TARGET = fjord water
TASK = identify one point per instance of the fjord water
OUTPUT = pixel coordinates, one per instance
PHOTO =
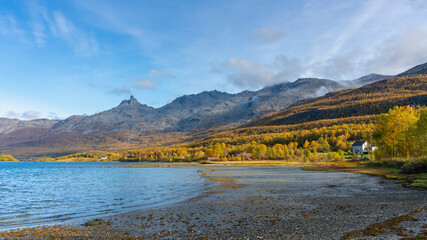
(46, 193)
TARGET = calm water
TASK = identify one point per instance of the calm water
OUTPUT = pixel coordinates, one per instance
(45, 193)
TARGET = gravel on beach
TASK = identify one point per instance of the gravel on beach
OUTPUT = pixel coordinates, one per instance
(271, 203)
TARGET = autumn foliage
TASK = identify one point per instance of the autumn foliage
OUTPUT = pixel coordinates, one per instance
(372, 99)
(7, 158)
(402, 133)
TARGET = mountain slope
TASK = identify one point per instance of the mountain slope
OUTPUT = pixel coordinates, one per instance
(370, 78)
(419, 69)
(8, 125)
(371, 99)
(201, 110)
(128, 115)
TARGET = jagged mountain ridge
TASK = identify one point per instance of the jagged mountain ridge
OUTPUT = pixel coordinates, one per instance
(201, 110)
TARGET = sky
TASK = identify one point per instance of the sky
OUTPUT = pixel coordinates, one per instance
(63, 58)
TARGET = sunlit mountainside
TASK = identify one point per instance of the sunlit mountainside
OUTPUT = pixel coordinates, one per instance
(371, 99)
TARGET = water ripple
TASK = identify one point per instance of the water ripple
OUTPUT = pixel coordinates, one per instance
(39, 193)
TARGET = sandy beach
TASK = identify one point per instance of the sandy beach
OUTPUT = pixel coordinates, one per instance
(261, 202)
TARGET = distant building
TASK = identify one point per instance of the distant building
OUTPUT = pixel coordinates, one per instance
(244, 155)
(212, 158)
(103, 158)
(361, 147)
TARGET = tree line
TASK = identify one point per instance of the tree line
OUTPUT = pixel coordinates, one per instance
(400, 133)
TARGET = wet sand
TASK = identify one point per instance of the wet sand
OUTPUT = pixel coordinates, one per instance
(272, 203)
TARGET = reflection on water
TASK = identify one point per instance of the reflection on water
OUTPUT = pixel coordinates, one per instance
(41, 193)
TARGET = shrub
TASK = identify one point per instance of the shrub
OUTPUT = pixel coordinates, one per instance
(334, 156)
(355, 156)
(393, 163)
(415, 166)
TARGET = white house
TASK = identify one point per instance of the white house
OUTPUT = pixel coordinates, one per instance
(360, 147)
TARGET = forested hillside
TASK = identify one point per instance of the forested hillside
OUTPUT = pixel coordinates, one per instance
(371, 99)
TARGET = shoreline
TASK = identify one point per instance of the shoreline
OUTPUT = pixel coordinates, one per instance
(415, 181)
(262, 201)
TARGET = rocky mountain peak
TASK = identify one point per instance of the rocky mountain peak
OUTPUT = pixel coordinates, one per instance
(132, 101)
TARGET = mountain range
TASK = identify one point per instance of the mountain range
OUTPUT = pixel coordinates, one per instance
(132, 124)
(188, 112)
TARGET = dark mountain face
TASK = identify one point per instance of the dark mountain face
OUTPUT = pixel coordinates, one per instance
(419, 69)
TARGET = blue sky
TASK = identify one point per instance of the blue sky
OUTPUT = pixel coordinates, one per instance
(61, 58)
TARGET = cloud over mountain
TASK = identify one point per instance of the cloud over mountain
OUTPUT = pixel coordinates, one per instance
(27, 115)
(121, 91)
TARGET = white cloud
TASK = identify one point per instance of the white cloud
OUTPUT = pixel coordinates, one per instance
(52, 115)
(352, 28)
(121, 91)
(38, 30)
(400, 53)
(391, 56)
(9, 27)
(25, 115)
(248, 74)
(287, 69)
(39, 16)
(245, 73)
(13, 114)
(156, 73)
(31, 115)
(41, 21)
(82, 43)
(62, 27)
(267, 34)
(144, 84)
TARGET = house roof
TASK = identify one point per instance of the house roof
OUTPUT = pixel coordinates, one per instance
(359, 143)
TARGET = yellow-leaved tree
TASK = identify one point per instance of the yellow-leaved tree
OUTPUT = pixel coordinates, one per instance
(400, 132)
